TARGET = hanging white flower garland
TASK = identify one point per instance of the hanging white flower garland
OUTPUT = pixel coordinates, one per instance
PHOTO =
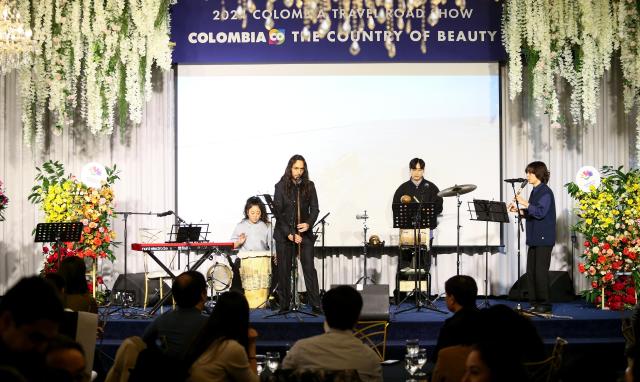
(95, 55)
(574, 40)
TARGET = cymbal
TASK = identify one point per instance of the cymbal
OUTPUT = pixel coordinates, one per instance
(458, 189)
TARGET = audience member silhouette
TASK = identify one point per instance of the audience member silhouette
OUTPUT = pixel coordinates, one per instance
(26, 328)
(223, 348)
(337, 348)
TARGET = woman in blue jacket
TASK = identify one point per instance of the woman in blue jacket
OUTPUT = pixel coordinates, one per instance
(540, 214)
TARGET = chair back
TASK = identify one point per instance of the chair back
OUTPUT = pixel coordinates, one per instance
(374, 335)
(548, 369)
(315, 375)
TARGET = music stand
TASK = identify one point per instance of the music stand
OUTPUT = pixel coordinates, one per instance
(488, 211)
(58, 233)
(417, 216)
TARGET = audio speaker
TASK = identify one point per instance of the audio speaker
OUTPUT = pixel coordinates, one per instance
(560, 287)
(375, 301)
(134, 294)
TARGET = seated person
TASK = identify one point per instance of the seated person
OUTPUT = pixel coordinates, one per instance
(461, 292)
(253, 233)
(76, 295)
(27, 327)
(173, 331)
(337, 348)
(225, 348)
(65, 360)
(492, 362)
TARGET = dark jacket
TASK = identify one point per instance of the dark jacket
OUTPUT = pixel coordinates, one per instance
(461, 329)
(541, 217)
(286, 210)
(426, 192)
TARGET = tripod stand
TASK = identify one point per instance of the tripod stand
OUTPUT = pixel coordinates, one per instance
(417, 216)
(488, 211)
(364, 277)
(294, 307)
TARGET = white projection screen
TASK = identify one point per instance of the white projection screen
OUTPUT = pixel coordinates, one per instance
(358, 126)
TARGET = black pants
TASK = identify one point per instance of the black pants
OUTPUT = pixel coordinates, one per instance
(538, 261)
(286, 252)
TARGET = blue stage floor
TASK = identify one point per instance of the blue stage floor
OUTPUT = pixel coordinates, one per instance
(586, 328)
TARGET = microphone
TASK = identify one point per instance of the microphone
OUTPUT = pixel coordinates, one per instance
(362, 216)
(515, 180)
(522, 186)
(162, 214)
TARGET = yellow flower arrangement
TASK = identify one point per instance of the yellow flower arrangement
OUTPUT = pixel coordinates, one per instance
(69, 200)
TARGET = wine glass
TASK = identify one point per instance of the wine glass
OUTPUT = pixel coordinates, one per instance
(413, 346)
(260, 359)
(273, 359)
(422, 357)
(411, 364)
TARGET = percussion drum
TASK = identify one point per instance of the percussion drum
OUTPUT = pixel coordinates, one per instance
(407, 237)
(255, 272)
(219, 277)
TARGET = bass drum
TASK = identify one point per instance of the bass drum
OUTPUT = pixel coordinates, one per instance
(219, 277)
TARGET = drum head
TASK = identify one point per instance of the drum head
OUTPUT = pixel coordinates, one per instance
(219, 277)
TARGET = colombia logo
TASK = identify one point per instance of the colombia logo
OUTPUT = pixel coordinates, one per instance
(276, 36)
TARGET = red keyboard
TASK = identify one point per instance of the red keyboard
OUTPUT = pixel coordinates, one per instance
(179, 246)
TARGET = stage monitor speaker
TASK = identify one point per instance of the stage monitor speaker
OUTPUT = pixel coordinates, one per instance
(375, 301)
(135, 290)
(560, 288)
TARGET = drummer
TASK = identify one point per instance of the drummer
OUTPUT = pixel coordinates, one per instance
(417, 188)
(253, 233)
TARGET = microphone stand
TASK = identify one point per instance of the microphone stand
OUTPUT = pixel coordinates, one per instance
(520, 227)
(323, 222)
(293, 287)
(125, 217)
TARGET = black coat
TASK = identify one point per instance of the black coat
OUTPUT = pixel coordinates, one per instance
(426, 192)
(286, 210)
(461, 329)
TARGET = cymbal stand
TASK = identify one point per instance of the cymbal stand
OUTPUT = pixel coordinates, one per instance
(364, 278)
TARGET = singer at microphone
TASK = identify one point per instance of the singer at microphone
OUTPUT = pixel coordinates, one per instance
(296, 206)
(540, 215)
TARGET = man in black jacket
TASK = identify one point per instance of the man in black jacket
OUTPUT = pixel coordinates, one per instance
(461, 329)
(418, 189)
(296, 209)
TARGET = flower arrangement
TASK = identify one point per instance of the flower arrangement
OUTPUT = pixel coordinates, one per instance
(609, 215)
(574, 41)
(95, 56)
(69, 200)
(4, 201)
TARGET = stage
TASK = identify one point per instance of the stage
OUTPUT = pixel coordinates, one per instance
(590, 332)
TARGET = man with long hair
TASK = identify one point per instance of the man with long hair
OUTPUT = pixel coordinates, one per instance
(296, 209)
